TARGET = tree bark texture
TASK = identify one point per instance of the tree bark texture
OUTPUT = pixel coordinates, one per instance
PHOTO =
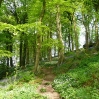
(38, 41)
(59, 35)
(96, 35)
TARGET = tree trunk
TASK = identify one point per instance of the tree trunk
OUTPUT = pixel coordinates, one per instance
(21, 51)
(24, 53)
(38, 50)
(76, 34)
(86, 37)
(65, 44)
(69, 44)
(0, 2)
(49, 55)
(59, 34)
(96, 35)
(72, 41)
(86, 25)
(9, 47)
(27, 54)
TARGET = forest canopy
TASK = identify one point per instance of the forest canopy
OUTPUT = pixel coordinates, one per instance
(36, 30)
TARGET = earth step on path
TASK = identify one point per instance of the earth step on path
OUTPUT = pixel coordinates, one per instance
(46, 85)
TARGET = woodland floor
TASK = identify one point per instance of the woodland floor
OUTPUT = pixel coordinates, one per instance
(45, 88)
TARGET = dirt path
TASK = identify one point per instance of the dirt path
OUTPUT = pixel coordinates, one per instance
(45, 88)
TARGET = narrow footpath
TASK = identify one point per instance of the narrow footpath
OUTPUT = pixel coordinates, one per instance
(45, 88)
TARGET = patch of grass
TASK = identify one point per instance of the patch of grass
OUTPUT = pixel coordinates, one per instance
(38, 80)
(2, 83)
(42, 90)
(26, 76)
(10, 87)
(52, 63)
(26, 91)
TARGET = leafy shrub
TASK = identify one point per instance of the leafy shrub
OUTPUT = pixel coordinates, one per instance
(11, 70)
(26, 76)
(3, 70)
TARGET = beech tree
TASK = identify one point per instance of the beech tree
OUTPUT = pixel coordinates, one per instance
(59, 35)
(40, 5)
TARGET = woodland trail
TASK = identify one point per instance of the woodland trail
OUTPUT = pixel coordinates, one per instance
(49, 92)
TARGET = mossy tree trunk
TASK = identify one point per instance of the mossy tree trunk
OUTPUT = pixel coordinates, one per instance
(39, 38)
(59, 35)
(86, 25)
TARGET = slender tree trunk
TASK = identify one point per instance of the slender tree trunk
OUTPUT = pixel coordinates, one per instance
(76, 34)
(38, 50)
(21, 51)
(86, 37)
(23, 47)
(49, 55)
(76, 41)
(72, 31)
(96, 35)
(27, 54)
(43, 55)
(0, 2)
(72, 41)
(34, 48)
(8, 62)
(69, 44)
(65, 48)
(92, 32)
(86, 25)
(59, 34)
(9, 47)
(24, 53)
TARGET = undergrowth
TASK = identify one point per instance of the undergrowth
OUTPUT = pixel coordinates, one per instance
(25, 91)
(81, 80)
(22, 85)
